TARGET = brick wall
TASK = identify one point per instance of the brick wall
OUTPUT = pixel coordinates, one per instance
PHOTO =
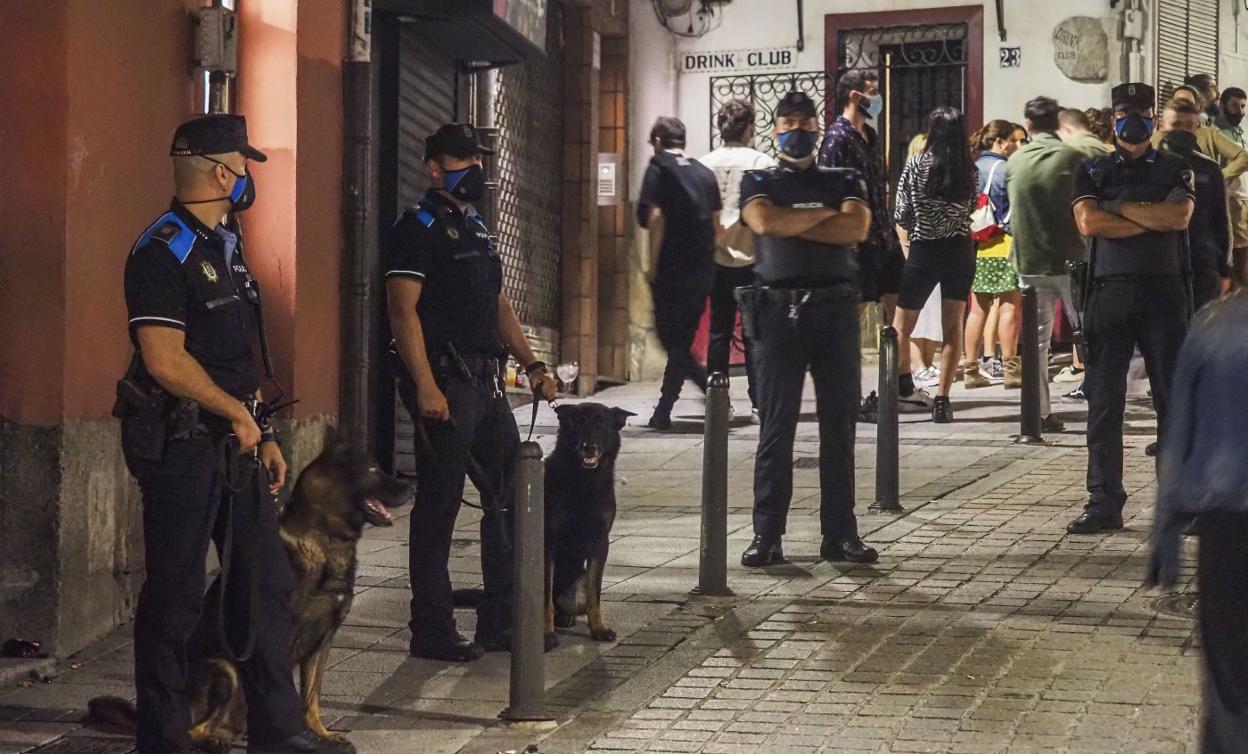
(614, 223)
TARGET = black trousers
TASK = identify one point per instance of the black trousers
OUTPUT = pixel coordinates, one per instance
(823, 336)
(182, 512)
(1121, 315)
(724, 322)
(677, 312)
(1223, 580)
(481, 423)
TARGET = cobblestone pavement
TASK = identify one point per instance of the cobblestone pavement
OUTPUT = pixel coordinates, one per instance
(983, 628)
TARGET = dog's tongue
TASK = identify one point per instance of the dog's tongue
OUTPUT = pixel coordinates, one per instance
(376, 506)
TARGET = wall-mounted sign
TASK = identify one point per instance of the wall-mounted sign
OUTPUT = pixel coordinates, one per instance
(1081, 49)
(1011, 57)
(764, 59)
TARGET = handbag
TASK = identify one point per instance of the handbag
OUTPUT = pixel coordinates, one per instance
(984, 225)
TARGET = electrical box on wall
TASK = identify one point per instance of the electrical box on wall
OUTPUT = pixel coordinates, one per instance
(1132, 24)
(215, 42)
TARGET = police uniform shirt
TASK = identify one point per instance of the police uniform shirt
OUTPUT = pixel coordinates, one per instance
(688, 194)
(1152, 178)
(184, 275)
(451, 254)
(799, 261)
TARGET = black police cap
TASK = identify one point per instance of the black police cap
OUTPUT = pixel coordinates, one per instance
(214, 134)
(455, 139)
(795, 102)
(1133, 95)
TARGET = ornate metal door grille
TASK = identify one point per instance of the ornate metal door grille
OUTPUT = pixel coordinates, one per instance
(920, 68)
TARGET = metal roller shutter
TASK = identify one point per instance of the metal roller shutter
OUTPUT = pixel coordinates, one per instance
(427, 95)
(1187, 42)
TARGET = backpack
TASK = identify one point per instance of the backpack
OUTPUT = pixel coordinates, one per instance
(984, 225)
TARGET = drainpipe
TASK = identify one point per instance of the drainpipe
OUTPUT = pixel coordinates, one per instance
(485, 89)
(359, 231)
(1132, 37)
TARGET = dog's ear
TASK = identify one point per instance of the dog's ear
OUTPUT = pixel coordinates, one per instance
(621, 417)
(564, 411)
(331, 436)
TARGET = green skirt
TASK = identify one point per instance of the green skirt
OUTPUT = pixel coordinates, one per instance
(994, 275)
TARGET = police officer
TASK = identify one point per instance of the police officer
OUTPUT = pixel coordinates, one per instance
(194, 316)
(803, 312)
(1135, 205)
(453, 327)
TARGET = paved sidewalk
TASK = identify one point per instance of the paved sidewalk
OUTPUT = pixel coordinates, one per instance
(983, 628)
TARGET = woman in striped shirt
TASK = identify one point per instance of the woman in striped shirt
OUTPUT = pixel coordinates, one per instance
(935, 198)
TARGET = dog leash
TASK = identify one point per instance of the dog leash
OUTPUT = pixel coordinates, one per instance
(234, 466)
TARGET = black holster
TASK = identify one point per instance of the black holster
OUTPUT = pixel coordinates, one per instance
(150, 416)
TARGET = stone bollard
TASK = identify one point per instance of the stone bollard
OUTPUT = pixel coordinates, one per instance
(713, 553)
(528, 608)
(887, 453)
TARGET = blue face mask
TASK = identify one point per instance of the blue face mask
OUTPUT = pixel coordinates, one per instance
(1134, 128)
(798, 144)
(873, 107)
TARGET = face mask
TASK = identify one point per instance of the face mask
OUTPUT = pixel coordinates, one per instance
(467, 185)
(1234, 120)
(873, 106)
(1134, 128)
(243, 195)
(1181, 141)
(798, 143)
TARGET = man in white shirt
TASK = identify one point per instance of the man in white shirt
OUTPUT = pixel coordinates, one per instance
(734, 256)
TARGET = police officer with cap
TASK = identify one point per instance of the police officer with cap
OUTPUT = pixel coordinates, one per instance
(188, 418)
(1135, 205)
(453, 327)
(802, 312)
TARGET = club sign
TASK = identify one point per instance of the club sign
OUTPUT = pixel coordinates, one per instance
(721, 61)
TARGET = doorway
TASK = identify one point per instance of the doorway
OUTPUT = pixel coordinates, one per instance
(925, 59)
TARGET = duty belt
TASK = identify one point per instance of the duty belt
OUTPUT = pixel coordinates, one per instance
(796, 298)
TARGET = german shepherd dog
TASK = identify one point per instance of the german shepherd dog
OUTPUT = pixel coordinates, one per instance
(335, 497)
(580, 510)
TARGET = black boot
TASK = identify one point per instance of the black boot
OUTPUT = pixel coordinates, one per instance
(306, 742)
(762, 551)
(445, 647)
(849, 549)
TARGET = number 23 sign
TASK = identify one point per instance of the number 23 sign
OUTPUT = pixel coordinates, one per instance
(1011, 57)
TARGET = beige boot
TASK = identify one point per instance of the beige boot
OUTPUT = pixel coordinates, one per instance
(1013, 368)
(972, 376)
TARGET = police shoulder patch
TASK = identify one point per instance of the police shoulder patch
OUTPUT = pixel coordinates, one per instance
(173, 232)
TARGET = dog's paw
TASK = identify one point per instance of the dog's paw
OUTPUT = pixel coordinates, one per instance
(602, 634)
(564, 620)
(552, 640)
(338, 738)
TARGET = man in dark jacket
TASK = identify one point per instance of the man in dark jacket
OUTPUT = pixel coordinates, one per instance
(1209, 234)
(1202, 473)
(679, 205)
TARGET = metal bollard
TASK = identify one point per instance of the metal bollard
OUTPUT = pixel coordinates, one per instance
(887, 462)
(528, 607)
(713, 554)
(1029, 345)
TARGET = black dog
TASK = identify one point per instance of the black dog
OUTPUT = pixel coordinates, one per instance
(580, 510)
(336, 496)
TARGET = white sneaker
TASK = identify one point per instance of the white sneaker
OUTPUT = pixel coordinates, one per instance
(1069, 376)
(926, 377)
(916, 402)
(754, 416)
(732, 414)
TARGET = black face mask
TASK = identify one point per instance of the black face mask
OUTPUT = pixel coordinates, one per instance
(1234, 120)
(466, 185)
(1134, 128)
(798, 144)
(1181, 141)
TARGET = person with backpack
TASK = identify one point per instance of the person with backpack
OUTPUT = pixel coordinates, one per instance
(935, 198)
(994, 281)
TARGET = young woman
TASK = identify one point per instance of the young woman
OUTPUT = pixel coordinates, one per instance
(927, 336)
(995, 283)
(935, 197)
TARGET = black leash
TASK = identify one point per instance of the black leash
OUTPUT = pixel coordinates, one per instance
(237, 472)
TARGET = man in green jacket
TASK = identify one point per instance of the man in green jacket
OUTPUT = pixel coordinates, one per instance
(1039, 178)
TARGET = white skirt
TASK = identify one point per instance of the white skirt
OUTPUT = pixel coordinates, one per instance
(929, 325)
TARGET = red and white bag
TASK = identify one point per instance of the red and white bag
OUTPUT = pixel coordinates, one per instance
(984, 226)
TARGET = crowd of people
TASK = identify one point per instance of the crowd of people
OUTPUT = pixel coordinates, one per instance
(1129, 220)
